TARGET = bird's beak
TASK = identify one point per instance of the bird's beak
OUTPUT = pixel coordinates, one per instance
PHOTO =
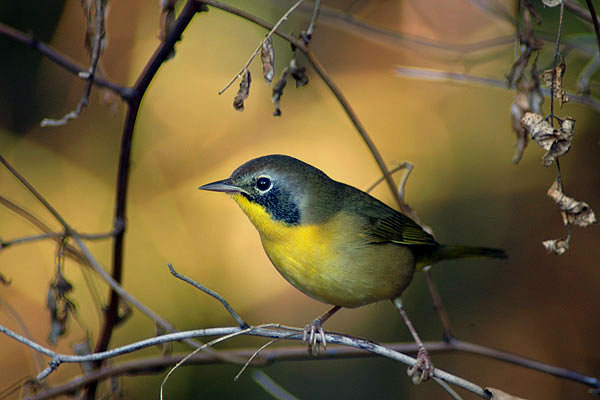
(224, 186)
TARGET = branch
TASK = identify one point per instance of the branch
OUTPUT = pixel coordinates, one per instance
(52, 235)
(457, 77)
(313, 19)
(270, 386)
(590, 6)
(60, 59)
(267, 332)
(212, 294)
(579, 11)
(298, 353)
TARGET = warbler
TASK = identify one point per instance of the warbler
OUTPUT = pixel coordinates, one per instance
(334, 242)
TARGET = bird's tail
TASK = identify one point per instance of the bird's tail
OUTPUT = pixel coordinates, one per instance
(454, 252)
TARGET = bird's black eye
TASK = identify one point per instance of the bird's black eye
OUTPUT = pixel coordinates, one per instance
(263, 183)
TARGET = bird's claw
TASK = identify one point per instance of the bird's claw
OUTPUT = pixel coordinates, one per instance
(422, 370)
(311, 333)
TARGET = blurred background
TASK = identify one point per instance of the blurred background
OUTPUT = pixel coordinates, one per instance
(464, 185)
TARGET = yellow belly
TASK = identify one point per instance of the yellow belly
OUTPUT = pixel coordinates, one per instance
(332, 262)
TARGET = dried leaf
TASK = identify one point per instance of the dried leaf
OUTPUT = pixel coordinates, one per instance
(500, 395)
(298, 73)
(556, 246)
(552, 3)
(278, 90)
(57, 322)
(62, 285)
(243, 92)
(556, 142)
(574, 212)
(267, 56)
(57, 303)
(558, 92)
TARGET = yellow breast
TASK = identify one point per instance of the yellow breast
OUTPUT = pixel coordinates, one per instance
(332, 262)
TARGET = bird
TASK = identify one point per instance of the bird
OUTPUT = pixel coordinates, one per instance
(334, 242)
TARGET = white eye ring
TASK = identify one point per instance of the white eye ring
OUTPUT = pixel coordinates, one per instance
(264, 183)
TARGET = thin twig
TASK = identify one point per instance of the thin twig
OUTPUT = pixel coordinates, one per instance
(271, 387)
(594, 17)
(555, 61)
(28, 239)
(578, 10)
(383, 36)
(10, 310)
(211, 293)
(455, 77)
(206, 345)
(53, 235)
(253, 356)
(447, 388)
(313, 19)
(438, 305)
(255, 53)
(37, 195)
(397, 168)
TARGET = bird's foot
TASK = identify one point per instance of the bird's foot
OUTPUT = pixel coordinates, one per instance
(312, 332)
(423, 369)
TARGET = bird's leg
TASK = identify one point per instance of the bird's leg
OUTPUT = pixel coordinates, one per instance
(314, 329)
(423, 359)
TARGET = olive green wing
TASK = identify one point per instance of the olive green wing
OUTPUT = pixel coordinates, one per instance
(383, 224)
(398, 228)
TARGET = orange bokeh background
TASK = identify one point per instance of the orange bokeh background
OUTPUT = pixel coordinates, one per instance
(464, 185)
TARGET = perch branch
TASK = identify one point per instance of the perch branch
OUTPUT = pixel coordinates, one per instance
(57, 359)
(298, 353)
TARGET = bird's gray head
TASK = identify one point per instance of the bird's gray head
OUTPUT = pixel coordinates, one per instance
(285, 186)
